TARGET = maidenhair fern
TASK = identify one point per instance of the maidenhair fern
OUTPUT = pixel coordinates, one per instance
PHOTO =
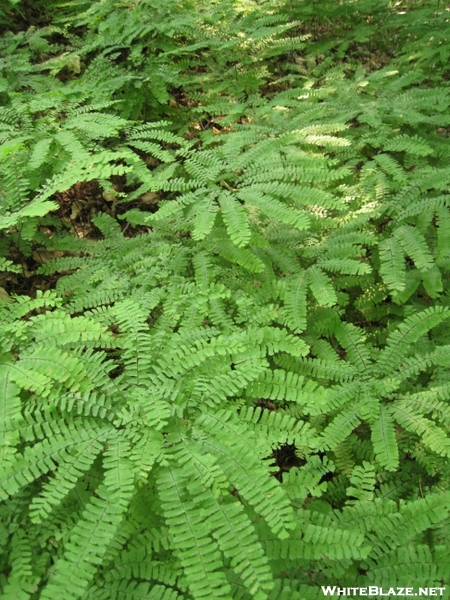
(224, 306)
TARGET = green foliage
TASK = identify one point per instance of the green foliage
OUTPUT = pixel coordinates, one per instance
(224, 303)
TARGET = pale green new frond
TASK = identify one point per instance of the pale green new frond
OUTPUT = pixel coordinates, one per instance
(421, 207)
(227, 523)
(278, 428)
(170, 208)
(119, 472)
(9, 266)
(214, 389)
(319, 368)
(276, 340)
(150, 402)
(37, 208)
(59, 329)
(363, 517)
(96, 124)
(391, 167)
(147, 447)
(322, 539)
(363, 482)
(40, 153)
(237, 540)
(41, 365)
(203, 268)
(152, 149)
(201, 172)
(413, 278)
(421, 361)
(72, 145)
(138, 561)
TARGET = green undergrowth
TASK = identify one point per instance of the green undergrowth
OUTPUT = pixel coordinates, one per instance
(224, 298)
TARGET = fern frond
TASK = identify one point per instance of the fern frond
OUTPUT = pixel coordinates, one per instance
(72, 465)
(247, 473)
(235, 219)
(42, 458)
(294, 298)
(384, 440)
(415, 246)
(321, 287)
(286, 386)
(198, 553)
(86, 546)
(410, 144)
(408, 332)
(206, 212)
(392, 267)
(340, 428)
(10, 409)
(242, 256)
(432, 436)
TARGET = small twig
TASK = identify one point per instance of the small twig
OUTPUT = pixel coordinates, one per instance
(224, 184)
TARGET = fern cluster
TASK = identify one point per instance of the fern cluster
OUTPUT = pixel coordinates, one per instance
(232, 382)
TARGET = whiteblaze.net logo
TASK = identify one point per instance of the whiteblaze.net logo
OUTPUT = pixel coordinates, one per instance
(379, 591)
